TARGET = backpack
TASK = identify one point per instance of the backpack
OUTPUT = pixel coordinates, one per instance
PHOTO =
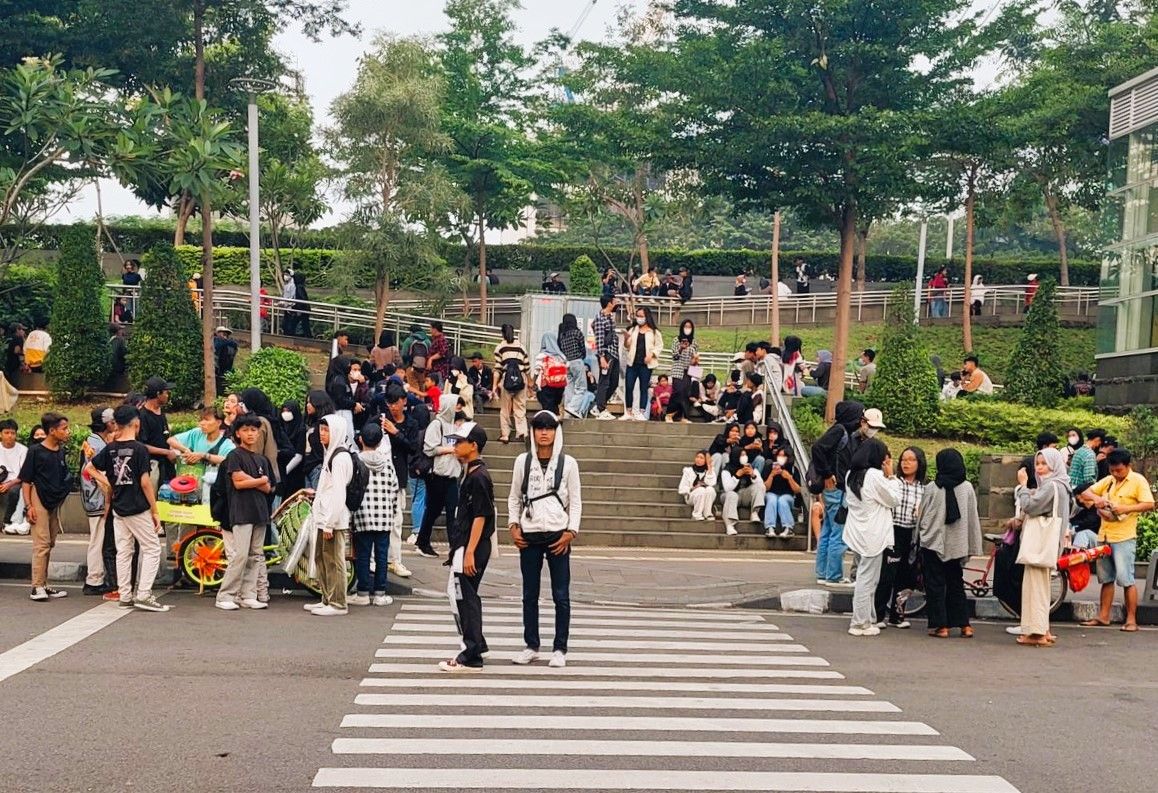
(513, 381)
(812, 477)
(219, 498)
(554, 373)
(419, 348)
(91, 496)
(554, 491)
(359, 481)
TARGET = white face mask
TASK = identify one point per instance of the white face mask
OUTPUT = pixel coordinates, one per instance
(870, 432)
(782, 461)
(1074, 440)
(743, 459)
(640, 320)
(287, 416)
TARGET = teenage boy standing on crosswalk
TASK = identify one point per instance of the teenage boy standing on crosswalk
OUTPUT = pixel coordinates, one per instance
(544, 508)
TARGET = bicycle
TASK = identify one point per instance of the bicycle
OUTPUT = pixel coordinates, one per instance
(914, 603)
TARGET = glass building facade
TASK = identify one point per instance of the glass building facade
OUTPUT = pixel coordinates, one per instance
(1127, 340)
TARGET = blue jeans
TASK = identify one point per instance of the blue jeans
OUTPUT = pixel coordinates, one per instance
(940, 307)
(779, 506)
(312, 478)
(531, 564)
(830, 548)
(575, 395)
(365, 544)
(642, 376)
(417, 503)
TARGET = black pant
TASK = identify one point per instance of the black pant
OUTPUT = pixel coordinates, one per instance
(531, 564)
(10, 500)
(550, 397)
(680, 407)
(607, 384)
(469, 607)
(944, 591)
(895, 575)
(441, 495)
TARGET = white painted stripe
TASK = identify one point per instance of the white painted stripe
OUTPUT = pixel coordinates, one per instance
(500, 607)
(485, 681)
(642, 633)
(42, 647)
(586, 779)
(591, 748)
(632, 658)
(549, 619)
(654, 703)
(621, 672)
(464, 721)
(451, 640)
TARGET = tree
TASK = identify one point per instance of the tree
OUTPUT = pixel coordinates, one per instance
(1035, 375)
(585, 277)
(905, 387)
(816, 105)
(385, 140)
(79, 360)
(167, 330)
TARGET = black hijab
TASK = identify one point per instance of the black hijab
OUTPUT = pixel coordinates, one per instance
(950, 473)
(870, 454)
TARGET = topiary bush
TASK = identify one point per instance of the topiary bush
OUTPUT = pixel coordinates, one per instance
(1003, 424)
(166, 340)
(78, 361)
(585, 277)
(26, 294)
(905, 387)
(282, 374)
(1035, 375)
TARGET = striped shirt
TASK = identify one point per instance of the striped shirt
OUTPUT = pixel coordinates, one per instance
(511, 352)
(905, 512)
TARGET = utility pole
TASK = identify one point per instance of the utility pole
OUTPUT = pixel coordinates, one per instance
(776, 278)
(918, 292)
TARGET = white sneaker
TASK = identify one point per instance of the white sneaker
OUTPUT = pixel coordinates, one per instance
(628, 415)
(358, 600)
(10, 529)
(558, 660)
(226, 605)
(730, 530)
(382, 600)
(253, 604)
(640, 416)
(22, 528)
(525, 657)
(902, 624)
(399, 569)
(330, 611)
(822, 580)
(606, 416)
(755, 517)
(313, 606)
(594, 413)
(770, 532)
(1013, 630)
(787, 533)
(412, 539)
(871, 630)
(882, 625)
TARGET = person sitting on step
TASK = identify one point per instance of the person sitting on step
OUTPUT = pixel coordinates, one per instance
(698, 486)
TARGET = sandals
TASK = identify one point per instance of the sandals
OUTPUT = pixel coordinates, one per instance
(940, 633)
(1094, 624)
(1025, 641)
(967, 632)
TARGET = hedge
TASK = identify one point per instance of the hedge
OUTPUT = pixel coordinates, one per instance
(136, 240)
(26, 295)
(231, 265)
(1005, 424)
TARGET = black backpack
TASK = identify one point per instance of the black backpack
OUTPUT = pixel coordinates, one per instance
(513, 380)
(219, 498)
(812, 478)
(359, 481)
(554, 491)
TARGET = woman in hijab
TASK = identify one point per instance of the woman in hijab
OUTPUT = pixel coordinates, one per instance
(950, 532)
(792, 360)
(1052, 496)
(290, 458)
(871, 496)
(318, 406)
(895, 575)
(338, 387)
(977, 296)
(683, 356)
(550, 396)
(822, 372)
(1074, 441)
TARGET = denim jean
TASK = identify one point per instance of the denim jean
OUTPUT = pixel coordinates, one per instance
(575, 395)
(417, 503)
(830, 548)
(940, 307)
(642, 376)
(531, 564)
(366, 543)
(779, 506)
(312, 478)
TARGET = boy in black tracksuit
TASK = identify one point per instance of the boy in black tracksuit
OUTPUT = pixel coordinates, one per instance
(470, 546)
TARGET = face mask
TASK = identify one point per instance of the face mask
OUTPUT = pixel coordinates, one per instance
(1074, 441)
(743, 459)
(870, 432)
(286, 416)
(460, 416)
(640, 320)
(782, 461)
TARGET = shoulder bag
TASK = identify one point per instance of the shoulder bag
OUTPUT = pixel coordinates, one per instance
(1041, 537)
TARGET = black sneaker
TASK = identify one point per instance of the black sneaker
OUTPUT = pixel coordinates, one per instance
(95, 591)
(428, 552)
(54, 594)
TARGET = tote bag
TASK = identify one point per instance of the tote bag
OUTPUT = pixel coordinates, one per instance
(1041, 537)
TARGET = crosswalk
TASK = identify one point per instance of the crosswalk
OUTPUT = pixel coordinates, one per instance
(651, 700)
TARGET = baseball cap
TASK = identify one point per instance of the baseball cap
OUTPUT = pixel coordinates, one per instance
(100, 419)
(1031, 277)
(875, 419)
(155, 385)
(471, 431)
(223, 329)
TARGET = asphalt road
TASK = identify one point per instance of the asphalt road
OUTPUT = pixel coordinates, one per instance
(201, 700)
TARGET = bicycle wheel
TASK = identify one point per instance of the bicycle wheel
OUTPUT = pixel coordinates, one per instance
(1059, 584)
(203, 558)
(915, 603)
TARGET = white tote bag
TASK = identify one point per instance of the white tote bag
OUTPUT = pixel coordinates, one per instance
(1041, 538)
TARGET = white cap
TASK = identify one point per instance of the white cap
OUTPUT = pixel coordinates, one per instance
(875, 419)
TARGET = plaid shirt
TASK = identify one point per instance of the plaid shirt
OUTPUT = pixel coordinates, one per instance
(606, 342)
(905, 512)
(572, 345)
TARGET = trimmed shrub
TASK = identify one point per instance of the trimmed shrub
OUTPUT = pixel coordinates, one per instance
(166, 339)
(905, 387)
(1035, 375)
(585, 277)
(1002, 424)
(1147, 536)
(26, 295)
(78, 361)
(282, 374)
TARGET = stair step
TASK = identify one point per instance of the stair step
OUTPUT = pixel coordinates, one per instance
(667, 483)
(490, 421)
(717, 540)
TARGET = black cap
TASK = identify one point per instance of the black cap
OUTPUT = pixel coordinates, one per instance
(476, 356)
(155, 385)
(100, 418)
(470, 431)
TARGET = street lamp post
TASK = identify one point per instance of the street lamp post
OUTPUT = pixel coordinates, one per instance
(254, 86)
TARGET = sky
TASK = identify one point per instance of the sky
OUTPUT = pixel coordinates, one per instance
(330, 65)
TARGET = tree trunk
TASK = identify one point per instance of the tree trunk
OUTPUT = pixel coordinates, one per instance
(184, 212)
(199, 49)
(207, 323)
(776, 278)
(381, 298)
(1060, 230)
(644, 254)
(861, 256)
(843, 300)
(640, 219)
(966, 315)
(482, 269)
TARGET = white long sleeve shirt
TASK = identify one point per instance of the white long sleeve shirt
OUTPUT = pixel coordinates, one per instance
(688, 479)
(869, 527)
(549, 514)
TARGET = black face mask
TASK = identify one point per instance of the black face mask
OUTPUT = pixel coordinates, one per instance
(460, 416)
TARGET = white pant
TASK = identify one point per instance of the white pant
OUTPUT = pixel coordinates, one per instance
(394, 552)
(262, 570)
(96, 543)
(751, 496)
(139, 528)
(868, 575)
(700, 500)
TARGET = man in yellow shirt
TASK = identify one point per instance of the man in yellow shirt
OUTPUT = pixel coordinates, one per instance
(1119, 499)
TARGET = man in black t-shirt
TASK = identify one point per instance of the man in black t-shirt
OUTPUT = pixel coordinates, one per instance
(470, 546)
(46, 482)
(247, 487)
(14, 354)
(154, 430)
(123, 471)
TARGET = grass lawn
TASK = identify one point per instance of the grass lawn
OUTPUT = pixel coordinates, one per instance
(29, 410)
(994, 346)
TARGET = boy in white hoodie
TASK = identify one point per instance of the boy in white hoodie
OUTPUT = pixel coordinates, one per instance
(378, 517)
(544, 509)
(330, 518)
